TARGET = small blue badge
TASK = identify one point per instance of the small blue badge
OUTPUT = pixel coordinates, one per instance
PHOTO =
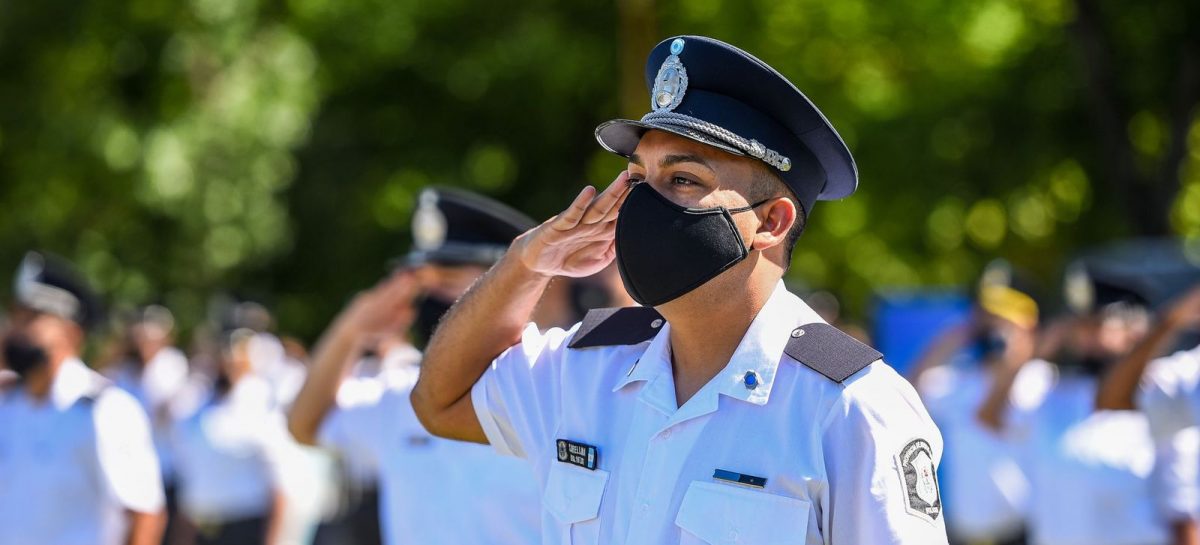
(677, 46)
(750, 380)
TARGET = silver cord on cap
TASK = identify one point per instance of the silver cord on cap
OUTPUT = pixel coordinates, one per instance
(749, 146)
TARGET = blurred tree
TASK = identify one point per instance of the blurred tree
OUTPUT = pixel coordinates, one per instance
(274, 148)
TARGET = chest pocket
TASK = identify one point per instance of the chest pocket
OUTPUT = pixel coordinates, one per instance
(719, 514)
(573, 497)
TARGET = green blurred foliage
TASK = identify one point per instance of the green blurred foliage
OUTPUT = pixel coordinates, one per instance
(273, 149)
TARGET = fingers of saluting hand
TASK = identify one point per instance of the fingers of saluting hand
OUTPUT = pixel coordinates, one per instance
(607, 202)
(571, 216)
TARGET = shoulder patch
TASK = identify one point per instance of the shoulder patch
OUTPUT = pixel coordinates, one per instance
(829, 351)
(617, 326)
(918, 477)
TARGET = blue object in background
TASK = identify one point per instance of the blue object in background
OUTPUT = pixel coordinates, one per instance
(907, 321)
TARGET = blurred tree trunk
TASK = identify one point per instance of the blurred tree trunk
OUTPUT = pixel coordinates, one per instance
(1146, 193)
(637, 31)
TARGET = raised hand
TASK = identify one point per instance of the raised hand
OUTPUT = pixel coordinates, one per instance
(1185, 311)
(579, 241)
(386, 308)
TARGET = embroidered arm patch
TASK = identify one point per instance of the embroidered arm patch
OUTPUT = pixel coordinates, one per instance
(918, 479)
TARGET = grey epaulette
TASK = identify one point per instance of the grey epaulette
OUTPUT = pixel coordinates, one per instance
(829, 351)
(617, 326)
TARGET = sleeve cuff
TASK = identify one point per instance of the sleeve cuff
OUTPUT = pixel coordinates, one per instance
(483, 412)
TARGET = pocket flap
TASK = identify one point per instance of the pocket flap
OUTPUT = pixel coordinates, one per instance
(573, 494)
(720, 513)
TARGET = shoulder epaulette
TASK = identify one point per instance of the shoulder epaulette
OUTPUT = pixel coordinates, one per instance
(829, 351)
(617, 326)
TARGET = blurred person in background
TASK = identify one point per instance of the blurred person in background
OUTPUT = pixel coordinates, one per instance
(1091, 471)
(269, 357)
(154, 372)
(1162, 378)
(986, 490)
(433, 490)
(77, 461)
(229, 457)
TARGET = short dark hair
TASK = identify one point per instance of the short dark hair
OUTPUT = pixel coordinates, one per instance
(767, 185)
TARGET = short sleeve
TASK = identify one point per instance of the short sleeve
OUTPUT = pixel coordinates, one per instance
(517, 398)
(881, 455)
(1170, 394)
(128, 464)
(1176, 477)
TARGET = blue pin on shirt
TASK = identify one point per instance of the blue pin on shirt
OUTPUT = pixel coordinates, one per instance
(750, 380)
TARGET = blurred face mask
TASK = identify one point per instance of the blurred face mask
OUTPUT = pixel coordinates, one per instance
(429, 313)
(665, 250)
(22, 355)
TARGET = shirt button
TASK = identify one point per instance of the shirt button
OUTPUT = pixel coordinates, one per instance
(666, 434)
(733, 535)
(645, 507)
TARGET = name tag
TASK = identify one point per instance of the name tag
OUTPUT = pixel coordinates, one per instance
(579, 454)
(740, 479)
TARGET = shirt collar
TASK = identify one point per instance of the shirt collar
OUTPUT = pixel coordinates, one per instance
(759, 351)
(73, 381)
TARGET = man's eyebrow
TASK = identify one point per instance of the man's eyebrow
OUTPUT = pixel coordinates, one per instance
(635, 159)
(684, 158)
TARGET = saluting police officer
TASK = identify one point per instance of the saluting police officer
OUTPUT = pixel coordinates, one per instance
(77, 463)
(724, 410)
(432, 490)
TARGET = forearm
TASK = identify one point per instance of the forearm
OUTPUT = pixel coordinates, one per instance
(942, 349)
(995, 405)
(486, 321)
(275, 519)
(319, 393)
(1185, 532)
(146, 528)
(1117, 390)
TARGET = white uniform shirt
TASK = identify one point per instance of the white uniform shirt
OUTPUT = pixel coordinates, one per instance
(155, 386)
(830, 452)
(987, 492)
(434, 490)
(229, 455)
(1170, 397)
(1091, 472)
(366, 384)
(1170, 393)
(71, 465)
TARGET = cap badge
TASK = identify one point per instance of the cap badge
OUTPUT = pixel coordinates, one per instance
(671, 82)
(429, 224)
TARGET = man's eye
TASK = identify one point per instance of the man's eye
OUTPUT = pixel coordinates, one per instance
(679, 180)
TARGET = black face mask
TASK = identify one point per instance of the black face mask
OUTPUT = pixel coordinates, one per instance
(665, 250)
(22, 355)
(429, 312)
(990, 344)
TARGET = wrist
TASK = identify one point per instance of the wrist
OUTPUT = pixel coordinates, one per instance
(515, 259)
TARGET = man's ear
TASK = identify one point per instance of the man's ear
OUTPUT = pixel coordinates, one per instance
(777, 218)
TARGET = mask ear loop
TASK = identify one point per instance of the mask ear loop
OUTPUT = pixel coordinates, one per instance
(751, 207)
(747, 209)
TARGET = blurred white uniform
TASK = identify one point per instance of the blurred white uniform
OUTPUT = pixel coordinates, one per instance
(432, 490)
(228, 455)
(843, 463)
(1170, 396)
(155, 387)
(987, 491)
(1170, 392)
(1091, 471)
(72, 465)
